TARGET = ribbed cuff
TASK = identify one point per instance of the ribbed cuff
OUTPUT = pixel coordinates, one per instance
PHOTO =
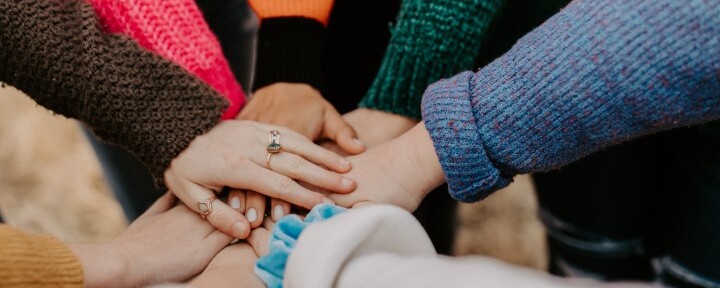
(448, 116)
(36, 261)
(430, 41)
(290, 50)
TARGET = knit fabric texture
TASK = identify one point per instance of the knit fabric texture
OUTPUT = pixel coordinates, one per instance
(56, 52)
(596, 74)
(431, 40)
(177, 31)
(318, 10)
(289, 49)
(290, 41)
(36, 261)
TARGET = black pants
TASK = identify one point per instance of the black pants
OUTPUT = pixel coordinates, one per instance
(646, 210)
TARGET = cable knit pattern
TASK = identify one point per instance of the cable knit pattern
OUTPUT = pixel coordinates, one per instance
(177, 31)
(596, 74)
(56, 53)
(36, 261)
(431, 40)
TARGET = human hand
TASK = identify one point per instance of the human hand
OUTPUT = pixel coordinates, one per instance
(167, 243)
(234, 266)
(301, 108)
(400, 172)
(375, 127)
(233, 154)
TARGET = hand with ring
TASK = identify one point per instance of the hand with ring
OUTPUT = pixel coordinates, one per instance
(234, 154)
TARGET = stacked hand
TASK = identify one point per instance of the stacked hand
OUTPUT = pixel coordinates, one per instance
(234, 154)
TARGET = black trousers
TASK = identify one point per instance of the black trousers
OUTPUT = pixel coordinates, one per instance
(646, 210)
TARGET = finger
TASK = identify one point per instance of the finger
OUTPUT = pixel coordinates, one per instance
(221, 216)
(162, 204)
(298, 168)
(237, 200)
(297, 144)
(218, 237)
(279, 208)
(278, 186)
(260, 240)
(255, 211)
(338, 130)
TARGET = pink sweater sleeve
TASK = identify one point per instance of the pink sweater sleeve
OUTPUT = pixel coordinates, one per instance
(177, 31)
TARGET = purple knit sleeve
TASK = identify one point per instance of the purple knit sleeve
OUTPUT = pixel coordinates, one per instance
(598, 73)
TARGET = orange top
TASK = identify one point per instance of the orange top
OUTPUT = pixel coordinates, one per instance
(314, 9)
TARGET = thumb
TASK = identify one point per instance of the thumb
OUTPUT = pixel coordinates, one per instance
(338, 130)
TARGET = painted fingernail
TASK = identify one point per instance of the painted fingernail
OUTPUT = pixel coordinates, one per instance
(251, 215)
(358, 142)
(278, 212)
(344, 162)
(238, 229)
(328, 201)
(346, 182)
(235, 202)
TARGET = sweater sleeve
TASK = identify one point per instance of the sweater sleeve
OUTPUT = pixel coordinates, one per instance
(596, 74)
(36, 261)
(431, 40)
(55, 52)
(291, 39)
(177, 31)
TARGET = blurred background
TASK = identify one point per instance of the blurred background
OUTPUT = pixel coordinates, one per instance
(51, 182)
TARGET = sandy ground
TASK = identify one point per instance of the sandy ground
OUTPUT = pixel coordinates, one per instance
(51, 182)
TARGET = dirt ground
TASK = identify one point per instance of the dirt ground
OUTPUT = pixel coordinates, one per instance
(51, 182)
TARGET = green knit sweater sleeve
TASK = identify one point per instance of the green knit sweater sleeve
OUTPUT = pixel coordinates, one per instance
(432, 39)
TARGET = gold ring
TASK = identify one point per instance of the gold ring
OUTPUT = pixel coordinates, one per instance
(206, 207)
(267, 161)
(274, 146)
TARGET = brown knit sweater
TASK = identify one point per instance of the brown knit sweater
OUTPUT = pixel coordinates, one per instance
(55, 51)
(36, 261)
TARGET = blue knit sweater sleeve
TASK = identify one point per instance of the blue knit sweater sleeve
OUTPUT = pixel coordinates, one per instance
(598, 73)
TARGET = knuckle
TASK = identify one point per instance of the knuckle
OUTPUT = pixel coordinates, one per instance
(296, 165)
(284, 186)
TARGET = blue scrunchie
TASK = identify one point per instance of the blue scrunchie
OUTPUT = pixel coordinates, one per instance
(271, 267)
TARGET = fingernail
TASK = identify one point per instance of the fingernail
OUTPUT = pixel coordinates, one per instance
(251, 215)
(238, 229)
(278, 212)
(346, 181)
(328, 201)
(358, 142)
(235, 202)
(344, 162)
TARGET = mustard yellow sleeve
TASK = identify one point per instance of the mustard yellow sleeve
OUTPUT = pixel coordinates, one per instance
(28, 260)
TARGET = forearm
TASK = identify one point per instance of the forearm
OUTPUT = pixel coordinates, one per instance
(34, 260)
(56, 53)
(102, 266)
(431, 40)
(290, 41)
(594, 75)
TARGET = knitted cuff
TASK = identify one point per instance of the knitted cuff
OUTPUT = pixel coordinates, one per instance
(449, 118)
(271, 267)
(429, 42)
(36, 261)
(290, 50)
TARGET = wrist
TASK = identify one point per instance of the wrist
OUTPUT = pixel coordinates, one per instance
(427, 169)
(103, 265)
